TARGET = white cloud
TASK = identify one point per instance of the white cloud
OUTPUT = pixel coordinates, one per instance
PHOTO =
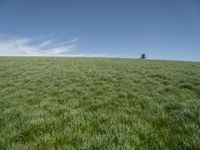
(25, 46)
(45, 43)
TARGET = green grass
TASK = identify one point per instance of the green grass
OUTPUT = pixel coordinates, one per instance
(98, 103)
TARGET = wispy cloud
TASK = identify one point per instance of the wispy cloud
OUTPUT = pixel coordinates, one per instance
(26, 46)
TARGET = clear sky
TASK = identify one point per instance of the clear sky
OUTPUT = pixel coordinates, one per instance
(163, 29)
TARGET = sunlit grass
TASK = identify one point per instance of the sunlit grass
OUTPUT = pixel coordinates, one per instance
(97, 103)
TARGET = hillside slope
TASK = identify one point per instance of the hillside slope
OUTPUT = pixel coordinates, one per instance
(98, 103)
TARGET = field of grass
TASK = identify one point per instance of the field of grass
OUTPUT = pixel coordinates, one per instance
(98, 103)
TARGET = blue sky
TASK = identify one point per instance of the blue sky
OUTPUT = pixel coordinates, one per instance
(163, 29)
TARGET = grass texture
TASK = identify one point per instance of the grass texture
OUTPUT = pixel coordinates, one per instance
(98, 103)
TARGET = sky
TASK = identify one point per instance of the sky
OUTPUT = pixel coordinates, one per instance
(162, 29)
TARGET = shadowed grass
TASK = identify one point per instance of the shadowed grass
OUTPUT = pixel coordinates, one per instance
(98, 103)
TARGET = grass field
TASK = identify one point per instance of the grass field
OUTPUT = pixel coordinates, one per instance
(99, 103)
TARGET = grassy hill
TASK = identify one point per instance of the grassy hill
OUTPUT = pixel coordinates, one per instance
(98, 103)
